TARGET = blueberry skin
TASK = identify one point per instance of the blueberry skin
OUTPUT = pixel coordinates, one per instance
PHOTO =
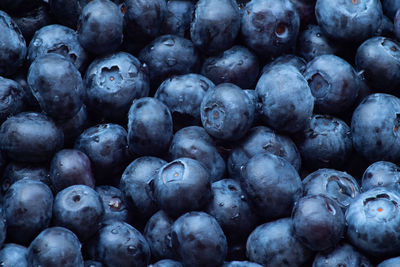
(182, 185)
(158, 234)
(313, 42)
(241, 264)
(339, 186)
(318, 222)
(325, 143)
(215, 25)
(27, 209)
(227, 112)
(392, 262)
(74, 126)
(333, 82)
(57, 85)
(11, 98)
(374, 127)
(182, 95)
(287, 102)
(100, 27)
(70, 167)
(119, 244)
(80, 209)
(61, 40)
(91, 263)
(166, 263)
(381, 173)
(30, 137)
(114, 205)
(112, 83)
(298, 62)
(373, 220)
(179, 17)
(343, 255)
(272, 184)
(379, 59)
(149, 127)
(390, 7)
(261, 139)
(237, 65)
(349, 21)
(199, 240)
(136, 184)
(194, 142)
(13, 49)
(107, 148)
(270, 27)
(57, 247)
(274, 244)
(14, 255)
(230, 208)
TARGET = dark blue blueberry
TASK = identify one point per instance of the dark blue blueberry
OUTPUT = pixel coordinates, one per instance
(339, 186)
(215, 25)
(241, 264)
(113, 203)
(136, 184)
(272, 185)
(262, 139)
(333, 82)
(13, 255)
(183, 95)
(100, 27)
(11, 98)
(381, 173)
(166, 263)
(57, 85)
(28, 208)
(318, 222)
(179, 17)
(199, 240)
(373, 220)
(287, 102)
(107, 148)
(237, 65)
(112, 83)
(270, 27)
(392, 262)
(169, 55)
(349, 21)
(313, 42)
(194, 142)
(230, 208)
(325, 143)
(56, 247)
(182, 185)
(13, 48)
(379, 60)
(61, 40)
(158, 234)
(30, 137)
(149, 127)
(119, 244)
(74, 126)
(390, 7)
(80, 209)
(375, 127)
(91, 263)
(343, 255)
(227, 112)
(70, 167)
(298, 62)
(274, 244)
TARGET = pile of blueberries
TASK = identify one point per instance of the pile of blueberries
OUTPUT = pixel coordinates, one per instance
(209, 133)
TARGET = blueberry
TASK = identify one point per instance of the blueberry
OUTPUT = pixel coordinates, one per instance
(166, 263)
(227, 112)
(149, 127)
(392, 262)
(287, 102)
(28, 208)
(390, 7)
(119, 244)
(272, 185)
(199, 240)
(56, 247)
(14, 255)
(113, 203)
(194, 142)
(318, 222)
(11, 98)
(381, 173)
(182, 185)
(274, 244)
(179, 17)
(215, 25)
